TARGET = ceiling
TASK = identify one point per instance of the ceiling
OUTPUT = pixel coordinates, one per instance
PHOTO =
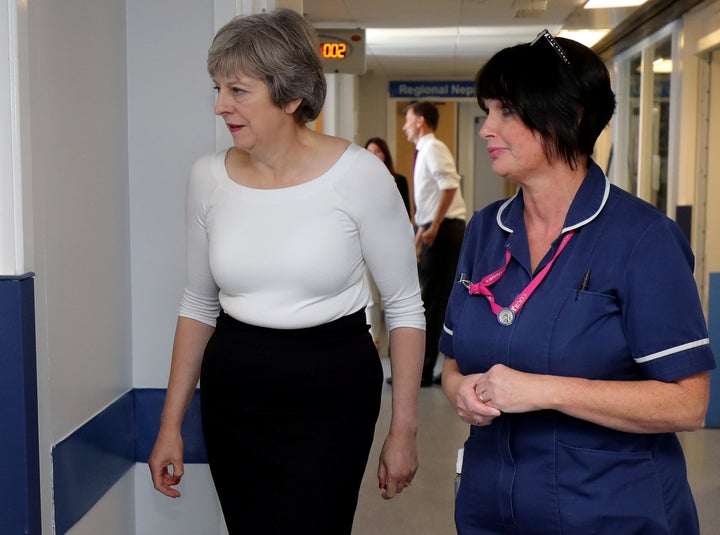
(450, 39)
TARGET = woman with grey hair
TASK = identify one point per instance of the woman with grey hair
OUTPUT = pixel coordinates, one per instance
(280, 230)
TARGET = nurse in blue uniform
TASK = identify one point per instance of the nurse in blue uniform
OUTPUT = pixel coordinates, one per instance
(575, 338)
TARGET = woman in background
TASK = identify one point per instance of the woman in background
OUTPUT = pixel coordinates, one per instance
(379, 147)
(281, 228)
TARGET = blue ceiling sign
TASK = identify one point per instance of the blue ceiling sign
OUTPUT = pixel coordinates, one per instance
(432, 89)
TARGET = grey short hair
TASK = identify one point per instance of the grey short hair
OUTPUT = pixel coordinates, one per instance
(280, 48)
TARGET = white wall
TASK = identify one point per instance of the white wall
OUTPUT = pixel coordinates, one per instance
(114, 514)
(196, 512)
(77, 145)
(372, 103)
(171, 123)
(12, 250)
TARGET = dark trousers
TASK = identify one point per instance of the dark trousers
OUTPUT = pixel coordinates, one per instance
(436, 270)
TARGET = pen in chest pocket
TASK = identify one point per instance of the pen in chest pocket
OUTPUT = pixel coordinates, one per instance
(583, 284)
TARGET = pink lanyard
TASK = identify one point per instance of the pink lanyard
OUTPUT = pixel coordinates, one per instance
(506, 315)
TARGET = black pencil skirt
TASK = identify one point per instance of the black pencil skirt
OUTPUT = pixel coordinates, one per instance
(289, 417)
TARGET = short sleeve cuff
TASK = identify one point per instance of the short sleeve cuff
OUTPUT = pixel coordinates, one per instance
(202, 309)
(448, 183)
(673, 365)
(446, 342)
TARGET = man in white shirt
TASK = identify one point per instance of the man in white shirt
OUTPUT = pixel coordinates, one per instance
(440, 219)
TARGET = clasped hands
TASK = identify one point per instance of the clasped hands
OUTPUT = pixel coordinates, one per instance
(482, 397)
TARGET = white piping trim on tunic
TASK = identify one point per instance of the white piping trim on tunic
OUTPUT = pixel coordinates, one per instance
(673, 350)
(602, 205)
(606, 194)
(500, 212)
(447, 330)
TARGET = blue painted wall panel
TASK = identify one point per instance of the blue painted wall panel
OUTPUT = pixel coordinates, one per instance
(19, 450)
(90, 461)
(713, 415)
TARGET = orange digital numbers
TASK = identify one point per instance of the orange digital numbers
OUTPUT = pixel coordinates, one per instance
(333, 50)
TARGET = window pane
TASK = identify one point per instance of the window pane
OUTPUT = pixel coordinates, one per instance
(634, 123)
(662, 67)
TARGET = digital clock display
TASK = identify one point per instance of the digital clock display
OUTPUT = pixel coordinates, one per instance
(333, 50)
(342, 50)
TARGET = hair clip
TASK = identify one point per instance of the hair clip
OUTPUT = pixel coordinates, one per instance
(553, 43)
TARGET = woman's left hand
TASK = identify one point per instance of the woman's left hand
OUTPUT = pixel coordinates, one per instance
(461, 391)
(398, 464)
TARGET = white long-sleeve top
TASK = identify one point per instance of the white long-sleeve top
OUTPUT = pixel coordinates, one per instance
(295, 257)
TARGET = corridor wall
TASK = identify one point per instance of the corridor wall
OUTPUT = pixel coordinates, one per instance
(171, 123)
(117, 105)
(78, 238)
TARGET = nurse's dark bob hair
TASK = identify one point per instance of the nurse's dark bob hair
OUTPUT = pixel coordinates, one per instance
(563, 93)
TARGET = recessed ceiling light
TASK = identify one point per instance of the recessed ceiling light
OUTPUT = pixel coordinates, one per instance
(659, 66)
(662, 66)
(586, 37)
(604, 4)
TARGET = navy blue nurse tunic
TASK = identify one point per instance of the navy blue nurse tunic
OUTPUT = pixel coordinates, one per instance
(638, 318)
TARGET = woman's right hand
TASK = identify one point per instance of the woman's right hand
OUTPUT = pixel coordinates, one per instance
(166, 459)
(418, 243)
(461, 391)
(166, 463)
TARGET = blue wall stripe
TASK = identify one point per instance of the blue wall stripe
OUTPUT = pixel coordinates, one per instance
(148, 406)
(713, 414)
(19, 448)
(91, 460)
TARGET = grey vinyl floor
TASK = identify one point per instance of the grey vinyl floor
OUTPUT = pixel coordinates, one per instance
(426, 508)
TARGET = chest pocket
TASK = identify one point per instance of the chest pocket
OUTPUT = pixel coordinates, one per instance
(589, 340)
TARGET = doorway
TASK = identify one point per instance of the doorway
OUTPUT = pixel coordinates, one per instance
(405, 150)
